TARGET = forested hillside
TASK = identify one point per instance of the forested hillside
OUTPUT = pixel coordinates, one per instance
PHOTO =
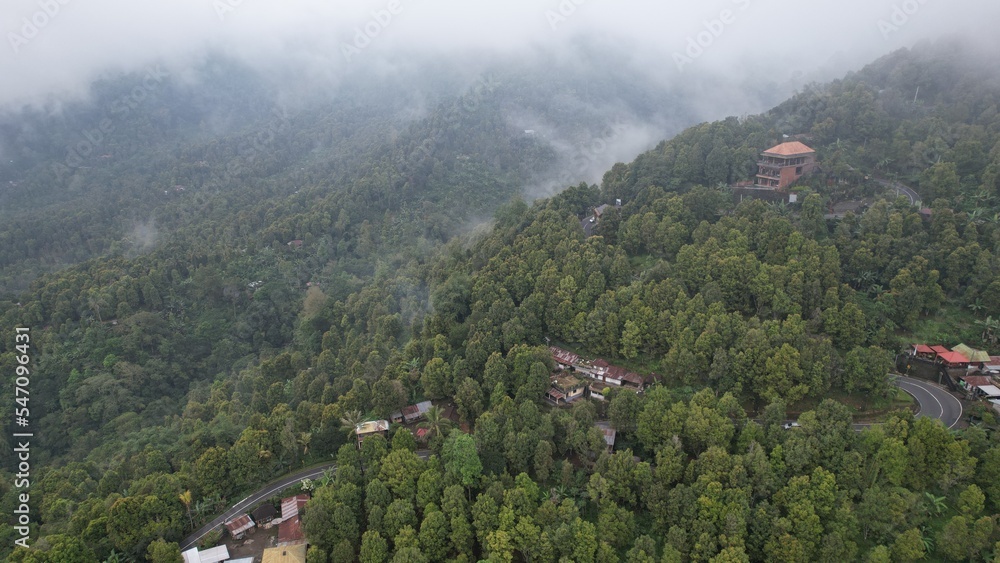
(331, 277)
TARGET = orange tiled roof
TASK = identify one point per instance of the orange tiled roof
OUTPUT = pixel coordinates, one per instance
(789, 149)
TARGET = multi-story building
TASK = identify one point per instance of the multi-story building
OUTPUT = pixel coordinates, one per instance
(780, 166)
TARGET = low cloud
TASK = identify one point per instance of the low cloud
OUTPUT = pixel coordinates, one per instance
(55, 48)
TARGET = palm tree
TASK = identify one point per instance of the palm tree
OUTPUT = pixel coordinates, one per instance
(304, 439)
(864, 278)
(351, 420)
(976, 305)
(186, 500)
(201, 507)
(927, 539)
(990, 328)
(327, 477)
(557, 494)
(982, 197)
(435, 422)
(935, 503)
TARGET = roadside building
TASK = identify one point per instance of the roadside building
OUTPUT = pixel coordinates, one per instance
(239, 526)
(213, 555)
(285, 554)
(264, 514)
(290, 528)
(291, 506)
(953, 360)
(371, 428)
(411, 413)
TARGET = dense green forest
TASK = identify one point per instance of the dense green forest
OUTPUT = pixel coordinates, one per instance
(220, 355)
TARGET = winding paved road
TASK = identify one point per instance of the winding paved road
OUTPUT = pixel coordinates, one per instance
(243, 506)
(935, 401)
(901, 189)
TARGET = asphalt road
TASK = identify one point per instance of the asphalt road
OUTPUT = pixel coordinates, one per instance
(243, 506)
(935, 402)
(901, 189)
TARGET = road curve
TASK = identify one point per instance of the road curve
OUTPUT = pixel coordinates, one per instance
(268, 490)
(242, 506)
(900, 188)
(935, 401)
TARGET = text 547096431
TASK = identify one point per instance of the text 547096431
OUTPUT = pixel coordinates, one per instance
(22, 437)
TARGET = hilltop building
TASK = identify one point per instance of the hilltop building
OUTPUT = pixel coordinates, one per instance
(782, 165)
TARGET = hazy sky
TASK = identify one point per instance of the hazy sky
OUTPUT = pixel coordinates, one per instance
(54, 48)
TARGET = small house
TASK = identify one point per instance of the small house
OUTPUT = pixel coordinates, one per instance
(290, 532)
(564, 358)
(565, 389)
(938, 350)
(213, 555)
(291, 506)
(953, 360)
(264, 513)
(979, 357)
(993, 364)
(411, 413)
(989, 392)
(609, 434)
(239, 526)
(285, 554)
(371, 428)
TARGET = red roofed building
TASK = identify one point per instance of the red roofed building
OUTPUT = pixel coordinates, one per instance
(953, 360)
(939, 349)
(239, 526)
(780, 166)
(564, 358)
(977, 380)
(290, 532)
(291, 506)
(919, 349)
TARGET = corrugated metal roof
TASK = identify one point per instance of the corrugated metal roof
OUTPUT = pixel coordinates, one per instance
(953, 358)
